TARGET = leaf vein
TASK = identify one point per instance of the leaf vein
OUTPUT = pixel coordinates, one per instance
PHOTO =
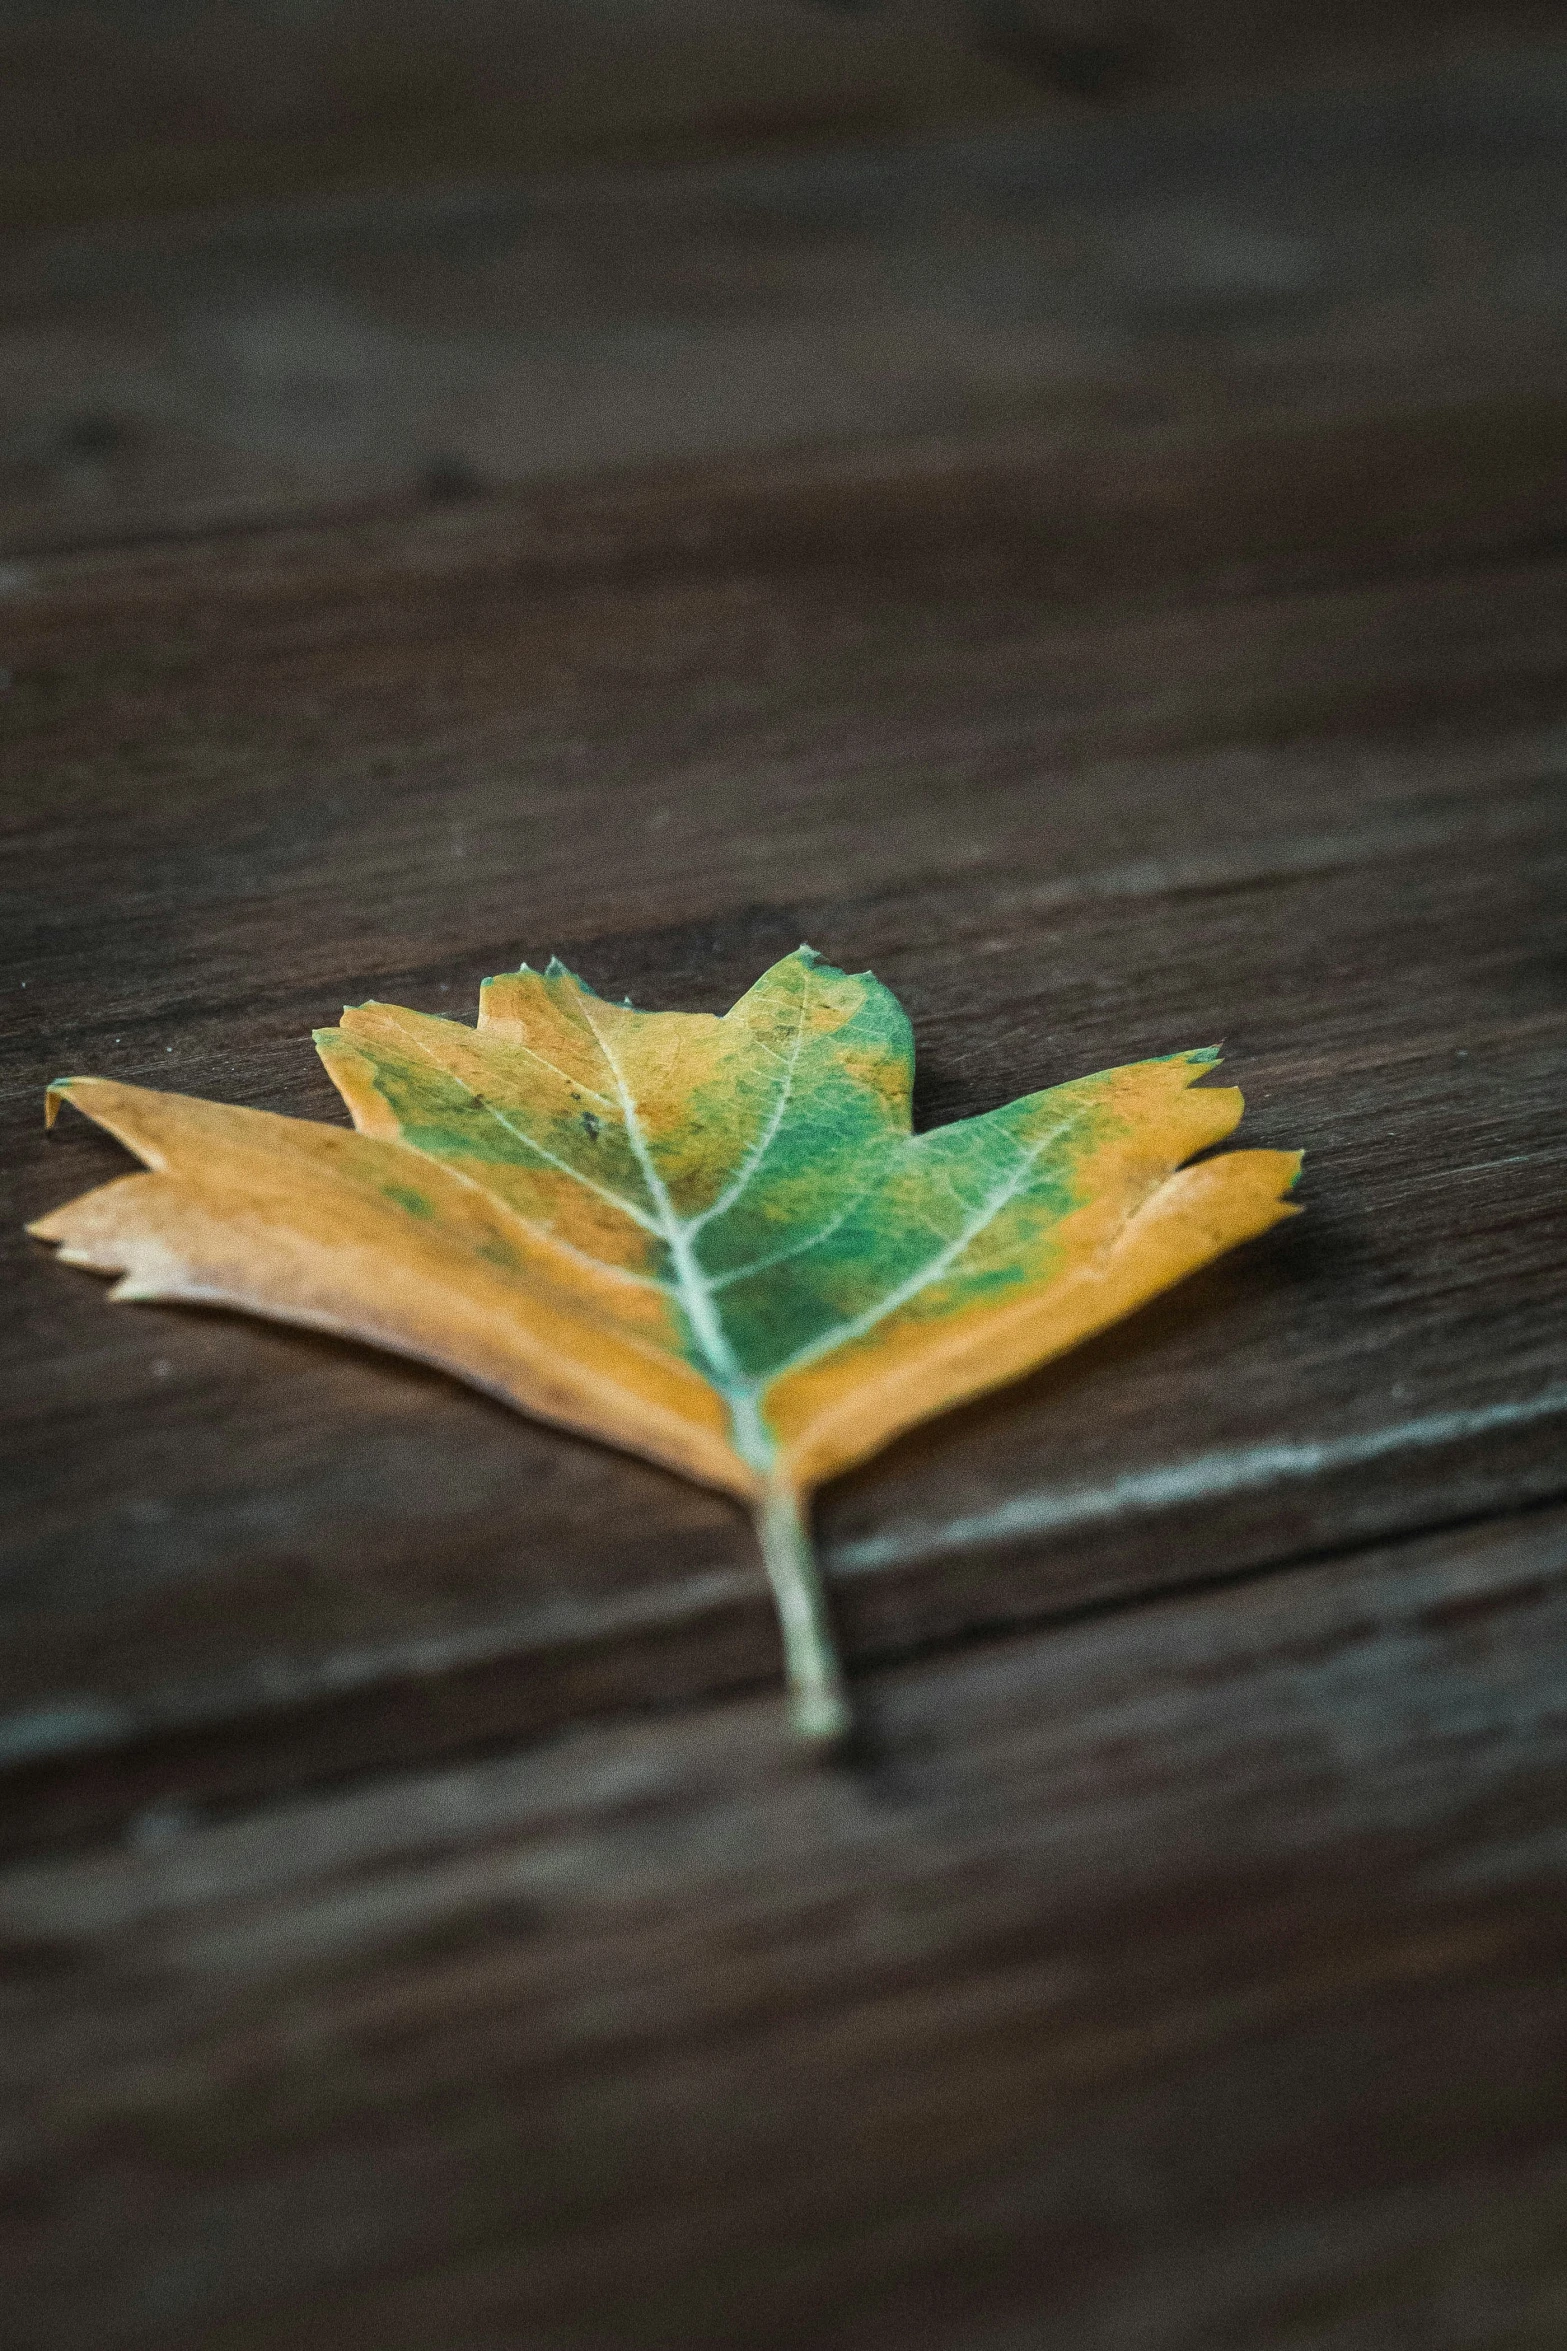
(739, 1273)
(934, 1269)
(691, 1283)
(626, 1207)
(753, 1159)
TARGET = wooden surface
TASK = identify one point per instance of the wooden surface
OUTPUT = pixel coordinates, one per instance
(121, 105)
(1108, 578)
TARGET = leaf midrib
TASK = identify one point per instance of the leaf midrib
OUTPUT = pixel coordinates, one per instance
(696, 1289)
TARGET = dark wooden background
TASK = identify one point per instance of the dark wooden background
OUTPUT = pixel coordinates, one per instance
(1098, 557)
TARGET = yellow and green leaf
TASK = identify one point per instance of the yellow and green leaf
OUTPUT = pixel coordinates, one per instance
(716, 1241)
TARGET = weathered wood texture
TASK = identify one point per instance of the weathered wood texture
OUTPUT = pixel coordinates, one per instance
(1195, 1978)
(122, 106)
(1114, 586)
(1386, 254)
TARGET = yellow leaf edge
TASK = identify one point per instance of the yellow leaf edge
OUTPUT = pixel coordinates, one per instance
(176, 1235)
(1195, 1216)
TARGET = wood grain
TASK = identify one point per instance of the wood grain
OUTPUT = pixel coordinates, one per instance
(1386, 254)
(1190, 1978)
(120, 109)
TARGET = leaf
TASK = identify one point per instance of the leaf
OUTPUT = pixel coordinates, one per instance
(716, 1242)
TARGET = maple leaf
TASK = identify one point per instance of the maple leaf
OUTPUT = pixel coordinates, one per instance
(715, 1241)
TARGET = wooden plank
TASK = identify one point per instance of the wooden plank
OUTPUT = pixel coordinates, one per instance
(116, 112)
(1232, 745)
(120, 110)
(1375, 251)
(1191, 1977)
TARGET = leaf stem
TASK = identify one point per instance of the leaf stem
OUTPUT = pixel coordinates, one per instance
(818, 1701)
